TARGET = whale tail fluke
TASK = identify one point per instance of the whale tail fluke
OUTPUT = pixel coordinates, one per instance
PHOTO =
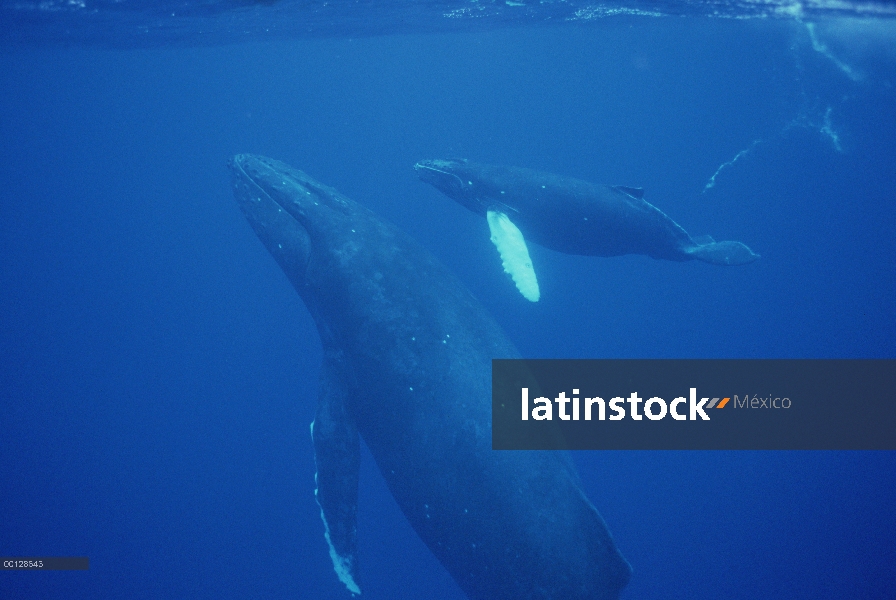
(722, 253)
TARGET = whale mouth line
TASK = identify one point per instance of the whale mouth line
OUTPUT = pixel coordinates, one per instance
(446, 181)
(421, 165)
(260, 192)
(275, 217)
(267, 189)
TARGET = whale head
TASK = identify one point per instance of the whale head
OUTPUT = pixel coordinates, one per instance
(293, 215)
(455, 178)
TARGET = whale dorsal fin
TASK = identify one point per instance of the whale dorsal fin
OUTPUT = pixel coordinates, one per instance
(630, 191)
(509, 241)
(702, 240)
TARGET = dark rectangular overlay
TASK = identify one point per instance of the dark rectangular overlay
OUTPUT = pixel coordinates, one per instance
(44, 563)
(771, 404)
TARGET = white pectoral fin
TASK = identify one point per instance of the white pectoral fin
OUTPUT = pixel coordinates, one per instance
(337, 456)
(509, 241)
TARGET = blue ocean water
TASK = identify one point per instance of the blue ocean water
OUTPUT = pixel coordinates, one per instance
(159, 373)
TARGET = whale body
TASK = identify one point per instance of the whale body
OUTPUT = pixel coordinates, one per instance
(571, 216)
(407, 367)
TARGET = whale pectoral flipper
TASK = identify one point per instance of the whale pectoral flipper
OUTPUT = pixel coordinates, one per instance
(337, 456)
(723, 253)
(509, 241)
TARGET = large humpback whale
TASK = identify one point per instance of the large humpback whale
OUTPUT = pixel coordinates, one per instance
(407, 366)
(568, 215)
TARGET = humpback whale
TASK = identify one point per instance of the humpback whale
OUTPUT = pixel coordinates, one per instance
(407, 367)
(568, 215)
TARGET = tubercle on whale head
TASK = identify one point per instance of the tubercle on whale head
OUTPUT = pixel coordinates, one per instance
(450, 177)
(314, 206)
(287, 210)
(285, 186)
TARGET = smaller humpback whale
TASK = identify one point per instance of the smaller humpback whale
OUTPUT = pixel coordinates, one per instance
(568, 215)
(407, 368)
